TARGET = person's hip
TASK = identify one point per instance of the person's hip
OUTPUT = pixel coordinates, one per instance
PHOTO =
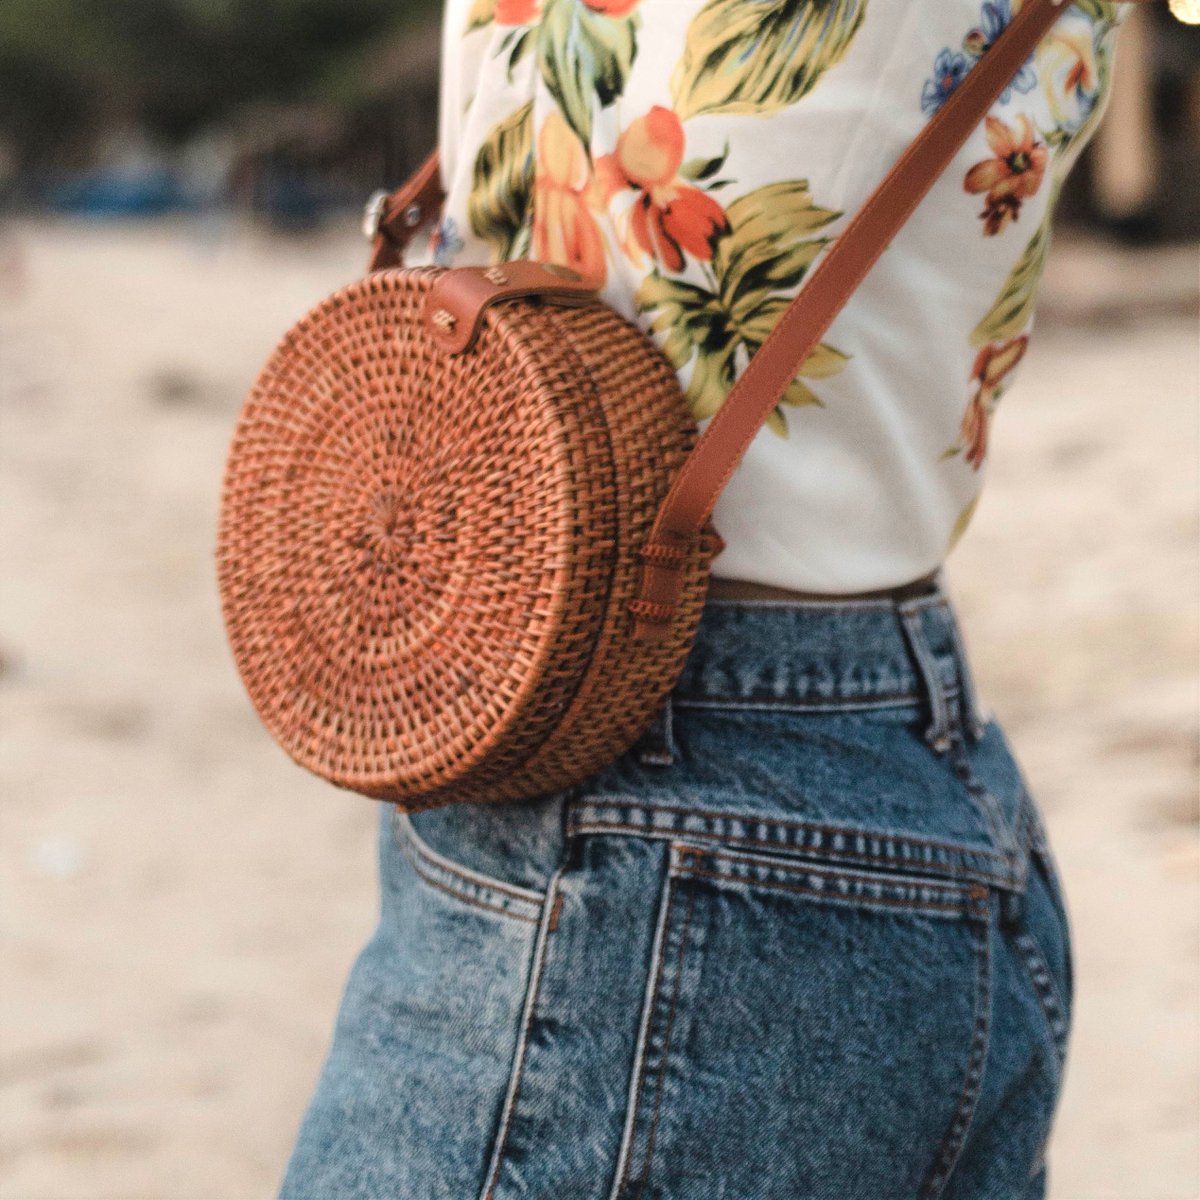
(726, 964)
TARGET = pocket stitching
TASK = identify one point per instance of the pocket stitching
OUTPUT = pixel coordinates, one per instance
(618, 799)
(654, 990)
(1043, 861)
(967, 900)
(613, 812)
(1049, 1000)
(473, 887)
(496, 1162)
(467, 898)
(956, 1132)
(1045, 866)
(643, 1176)
(776, 885)
(864, 858)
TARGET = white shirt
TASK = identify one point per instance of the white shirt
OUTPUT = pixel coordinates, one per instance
(729, 141)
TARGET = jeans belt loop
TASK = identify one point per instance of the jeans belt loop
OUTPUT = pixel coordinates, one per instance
(938, 733)
(971, 707)
(656, 745)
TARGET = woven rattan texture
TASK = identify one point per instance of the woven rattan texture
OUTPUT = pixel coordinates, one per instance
(425, 560)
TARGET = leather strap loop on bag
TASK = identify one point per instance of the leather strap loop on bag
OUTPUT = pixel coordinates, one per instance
(394, 219)
(694, 491)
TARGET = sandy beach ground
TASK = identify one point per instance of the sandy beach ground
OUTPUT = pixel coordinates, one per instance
(180, 904)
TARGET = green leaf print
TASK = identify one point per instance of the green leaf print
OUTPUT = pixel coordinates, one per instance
(499, 204)
(686, 314)
(765, 254)
(712, 376)
(822, 363)
(756, 56)
(768, 247)
(961, 523)
(1013, 308)
(700, 169)
(1103, 11)
(584, 57)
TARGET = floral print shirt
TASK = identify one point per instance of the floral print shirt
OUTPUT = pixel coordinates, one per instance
(696, 156)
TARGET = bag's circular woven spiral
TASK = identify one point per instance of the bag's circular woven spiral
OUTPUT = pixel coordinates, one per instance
(425, 560)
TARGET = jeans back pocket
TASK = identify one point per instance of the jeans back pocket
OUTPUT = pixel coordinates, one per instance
(810, 1029)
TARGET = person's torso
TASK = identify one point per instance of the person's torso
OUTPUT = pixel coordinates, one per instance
(697, 155)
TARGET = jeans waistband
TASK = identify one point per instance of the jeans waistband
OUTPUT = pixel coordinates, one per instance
(829, 655)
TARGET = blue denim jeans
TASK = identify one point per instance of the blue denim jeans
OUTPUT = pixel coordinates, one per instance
(804, 941)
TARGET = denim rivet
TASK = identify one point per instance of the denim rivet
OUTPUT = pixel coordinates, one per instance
(939, 743)
(1012, 908)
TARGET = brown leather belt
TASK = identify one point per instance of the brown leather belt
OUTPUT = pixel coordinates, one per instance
(746, 589)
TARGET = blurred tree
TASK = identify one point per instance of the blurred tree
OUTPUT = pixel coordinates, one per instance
(73, 69)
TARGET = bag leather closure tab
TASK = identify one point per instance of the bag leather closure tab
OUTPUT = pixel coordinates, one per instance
(453, 310)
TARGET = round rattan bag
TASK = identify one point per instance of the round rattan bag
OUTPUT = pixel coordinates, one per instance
(429, 529)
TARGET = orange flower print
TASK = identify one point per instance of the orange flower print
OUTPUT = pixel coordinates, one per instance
(517, 12)
(992, 365)
(669, 217)
(973, 435)
(1014, 174)
(564, 193)
(612, 8)
(525, 12)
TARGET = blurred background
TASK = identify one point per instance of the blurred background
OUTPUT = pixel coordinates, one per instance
(179, 180)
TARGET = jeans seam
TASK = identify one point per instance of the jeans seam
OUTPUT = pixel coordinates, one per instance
(1050, 1000)
(517, 1070)
(660, 1074)
(956, 1132)
(1041, 853)
(982, 799)
(858, 901)
(796, 865)
(654, 974)
(971, 706)
(656, 744)
(825, 854)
